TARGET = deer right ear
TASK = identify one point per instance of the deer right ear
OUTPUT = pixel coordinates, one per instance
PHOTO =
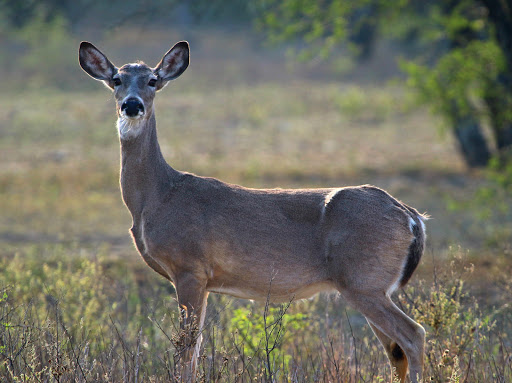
(173, 64)
(96, 64)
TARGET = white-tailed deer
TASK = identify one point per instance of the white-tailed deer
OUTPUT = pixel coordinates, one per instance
(206, 236)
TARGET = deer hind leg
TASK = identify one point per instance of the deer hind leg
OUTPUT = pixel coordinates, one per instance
(395, 354)
(396, 331)
(192, 300)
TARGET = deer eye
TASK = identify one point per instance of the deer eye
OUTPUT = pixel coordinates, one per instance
(152, 82)
(116, 81)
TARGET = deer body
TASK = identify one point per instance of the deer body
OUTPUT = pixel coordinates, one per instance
(206, 236)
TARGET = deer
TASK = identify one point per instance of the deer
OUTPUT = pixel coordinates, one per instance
(207, 236)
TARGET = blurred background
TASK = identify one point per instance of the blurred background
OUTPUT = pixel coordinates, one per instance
(411, 96)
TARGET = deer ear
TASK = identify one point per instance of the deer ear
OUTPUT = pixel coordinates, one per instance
(95, 63)
(173, 64)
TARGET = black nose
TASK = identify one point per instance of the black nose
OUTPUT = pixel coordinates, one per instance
(132, 107)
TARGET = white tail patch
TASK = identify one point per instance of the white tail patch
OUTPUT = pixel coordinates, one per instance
(421, 219)
(423, 224)
(412, 223)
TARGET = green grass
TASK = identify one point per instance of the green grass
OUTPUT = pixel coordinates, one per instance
(78, 304)
(72, 315)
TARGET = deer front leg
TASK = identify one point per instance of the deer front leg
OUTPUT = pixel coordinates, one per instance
(192, 300)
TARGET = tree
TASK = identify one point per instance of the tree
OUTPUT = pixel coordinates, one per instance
(462, 67)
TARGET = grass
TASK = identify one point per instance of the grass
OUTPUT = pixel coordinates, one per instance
(76, 315)
(78, 304)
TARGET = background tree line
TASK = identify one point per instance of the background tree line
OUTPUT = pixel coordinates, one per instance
(458, 53)
(459, 59)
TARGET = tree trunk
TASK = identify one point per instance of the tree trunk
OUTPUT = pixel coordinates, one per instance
(504, 137)
(499, 103)
(472, 143)
(500, 15)
(499, 96)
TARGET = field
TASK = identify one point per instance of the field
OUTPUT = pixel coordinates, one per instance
(78, 304)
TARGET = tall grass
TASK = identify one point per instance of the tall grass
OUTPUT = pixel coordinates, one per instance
(70, 315)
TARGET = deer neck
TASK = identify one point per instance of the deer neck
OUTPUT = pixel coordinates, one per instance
(145, 176)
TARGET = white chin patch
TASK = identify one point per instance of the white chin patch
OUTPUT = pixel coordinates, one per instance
(139, 115)
(129, 127)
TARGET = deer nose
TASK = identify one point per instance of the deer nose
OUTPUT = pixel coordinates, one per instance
(132, 107)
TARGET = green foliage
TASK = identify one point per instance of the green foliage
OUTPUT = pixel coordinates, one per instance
(267, 331)
(80, 283)
(21, 13)
(460, 67)
(320, 25)
(461, 77)
(63, 317)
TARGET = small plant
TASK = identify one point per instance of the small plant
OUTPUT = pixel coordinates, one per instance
(263, 335)
(457, 329)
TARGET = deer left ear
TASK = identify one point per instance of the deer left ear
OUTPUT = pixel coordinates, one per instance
(173, 64)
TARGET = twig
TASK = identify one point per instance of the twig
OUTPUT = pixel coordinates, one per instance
(354, 343)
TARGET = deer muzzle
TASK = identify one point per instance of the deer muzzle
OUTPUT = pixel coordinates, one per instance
(132, 108)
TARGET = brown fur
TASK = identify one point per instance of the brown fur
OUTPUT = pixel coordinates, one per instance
(205, 235)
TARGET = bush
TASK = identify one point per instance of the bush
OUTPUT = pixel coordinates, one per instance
(459, 334)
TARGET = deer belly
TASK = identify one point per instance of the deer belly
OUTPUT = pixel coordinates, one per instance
(276, 284)
(273, 295)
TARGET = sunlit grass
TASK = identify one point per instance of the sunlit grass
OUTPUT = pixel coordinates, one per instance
(79, 315)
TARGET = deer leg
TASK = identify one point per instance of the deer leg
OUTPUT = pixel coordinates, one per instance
(192, 299)
(398, 330)
(395, 354)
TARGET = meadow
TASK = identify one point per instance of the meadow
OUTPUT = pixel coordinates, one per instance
(77, 303)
